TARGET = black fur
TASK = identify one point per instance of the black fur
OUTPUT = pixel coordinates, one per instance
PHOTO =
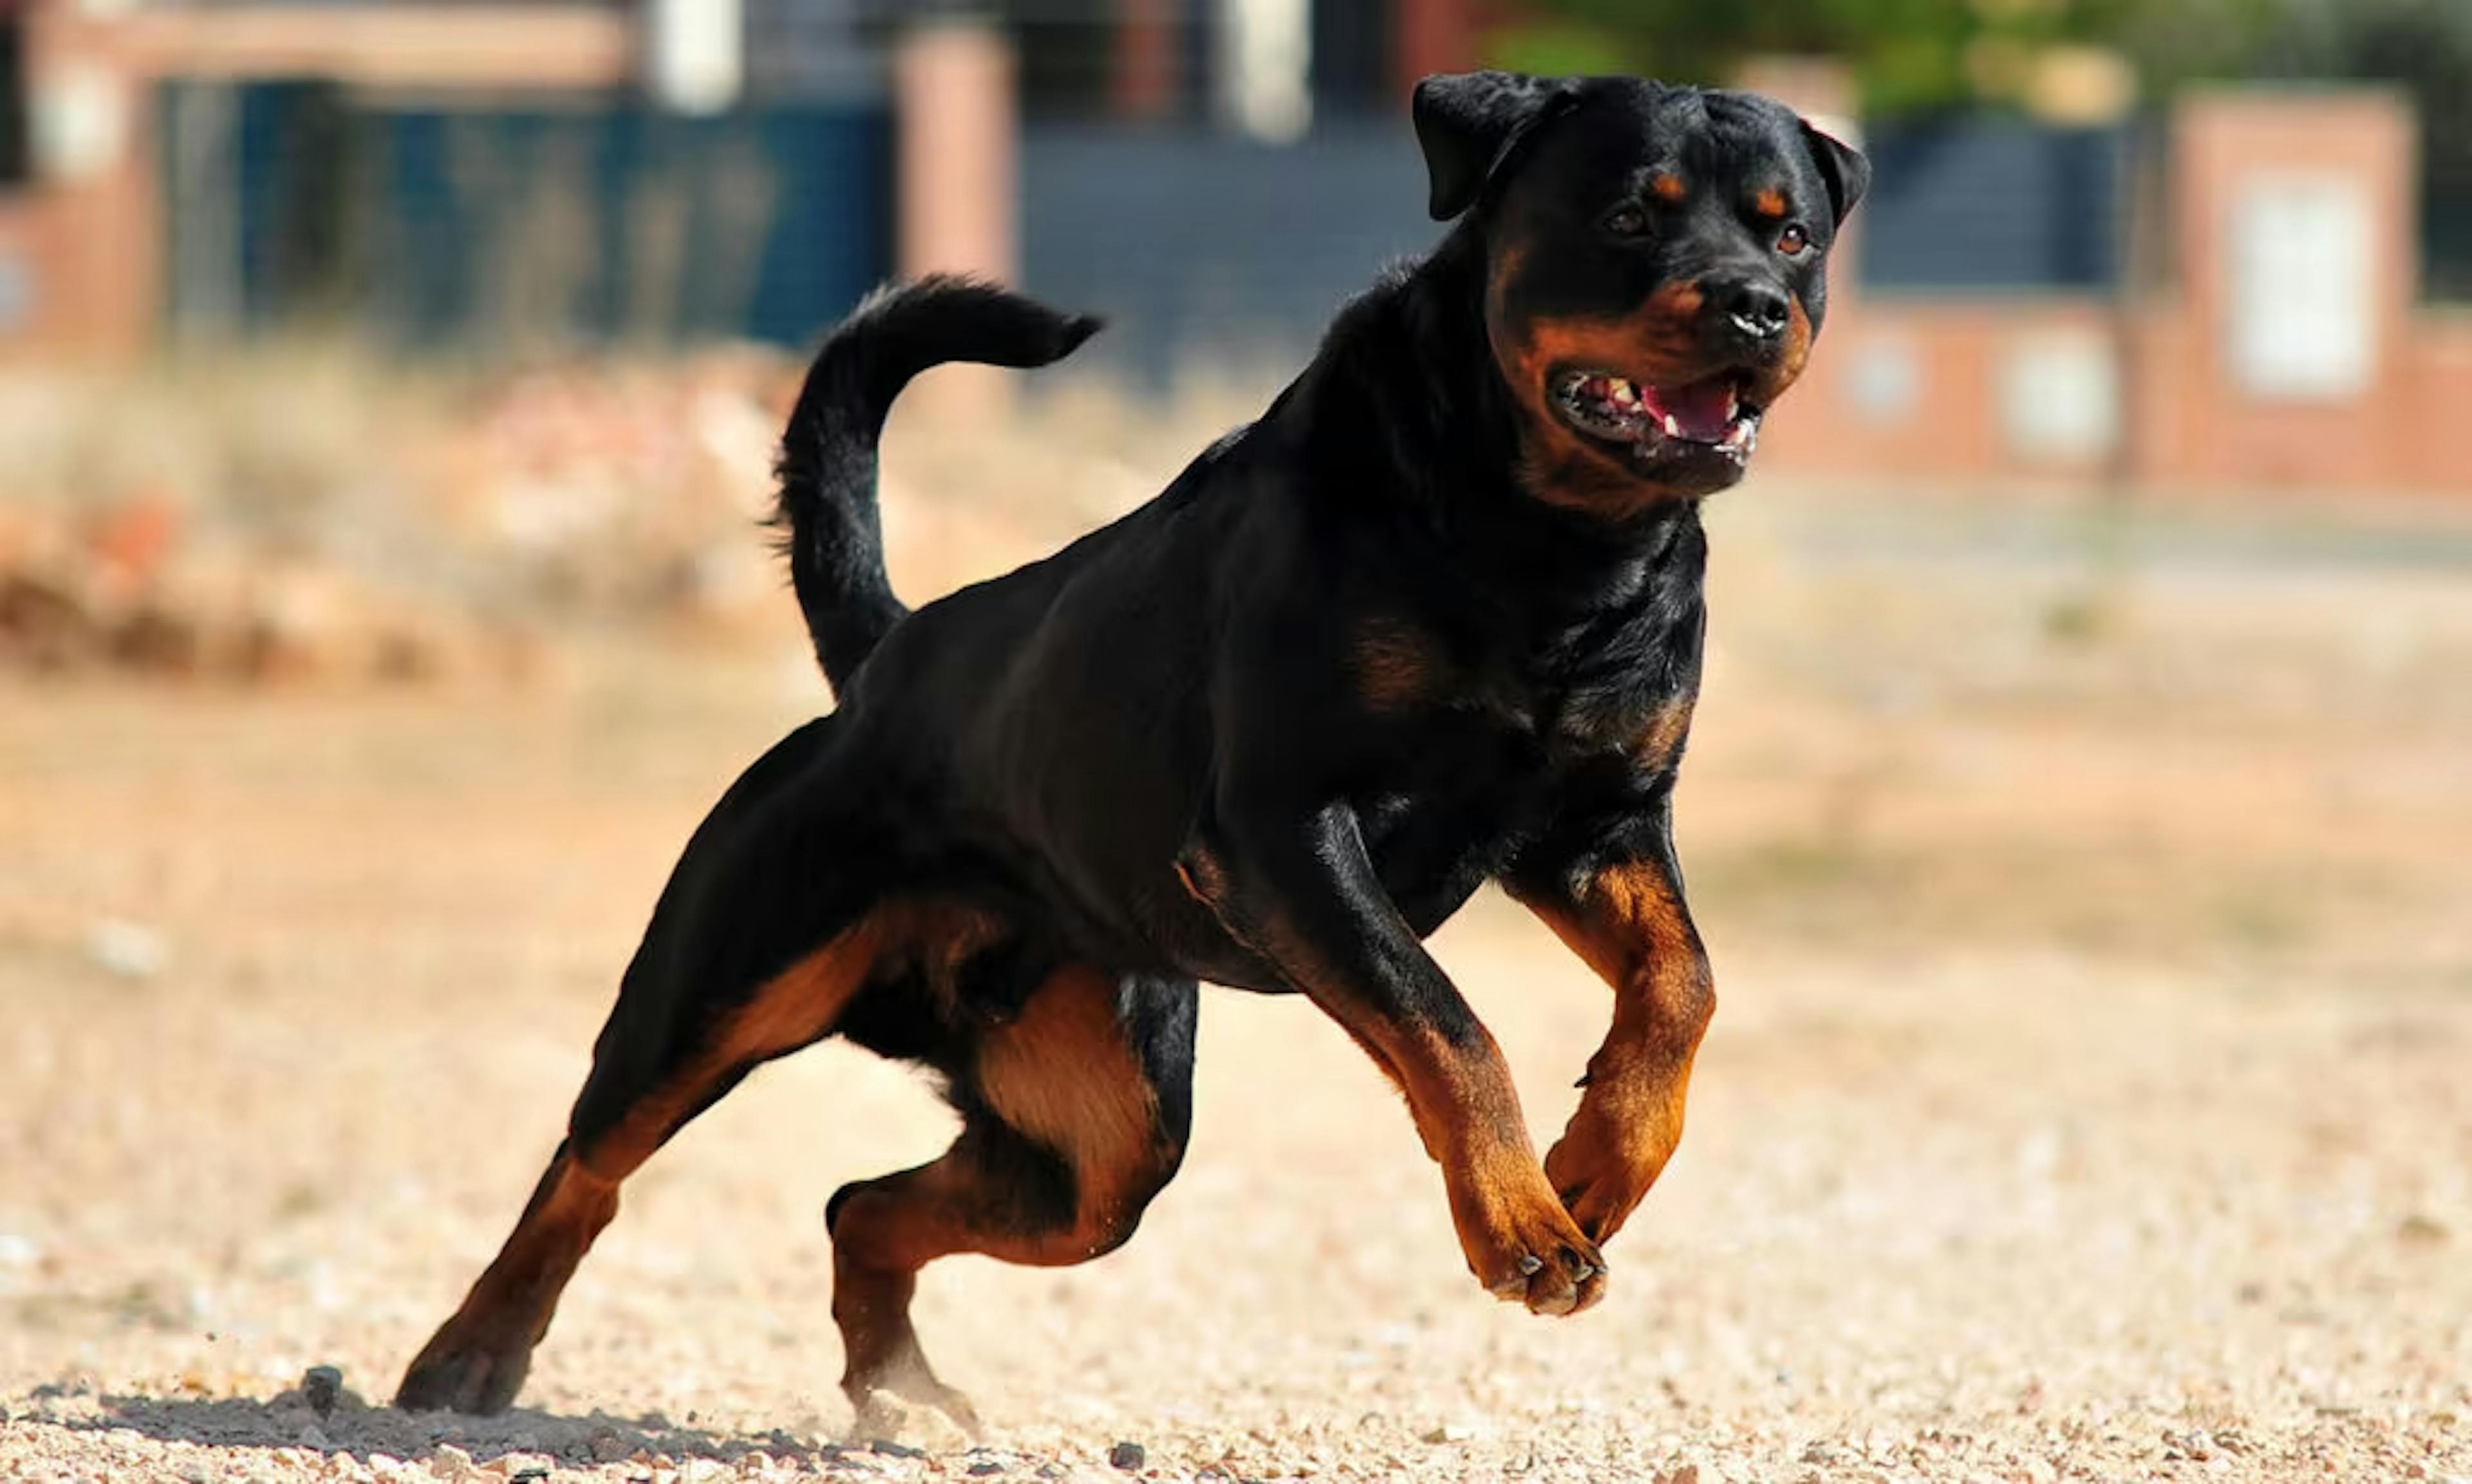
(826, 514)
(1411, 630)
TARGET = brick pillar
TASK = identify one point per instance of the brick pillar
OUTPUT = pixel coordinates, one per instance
(2297, 251)
(93, 209)
(953, 82)
(1432, 36)
(955, 178)
(1142, 82)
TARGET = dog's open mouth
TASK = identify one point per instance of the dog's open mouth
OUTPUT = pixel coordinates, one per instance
(1702, 420)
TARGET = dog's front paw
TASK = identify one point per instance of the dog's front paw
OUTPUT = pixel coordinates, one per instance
(1526, 1249)
(1604, 1165)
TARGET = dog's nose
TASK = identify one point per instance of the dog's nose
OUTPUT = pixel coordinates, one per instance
(1755, 311)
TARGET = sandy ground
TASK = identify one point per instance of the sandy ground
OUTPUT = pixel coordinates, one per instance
(2091, 1096)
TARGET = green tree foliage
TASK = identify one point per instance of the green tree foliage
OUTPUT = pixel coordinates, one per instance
(2423, 47)
(1908, 56)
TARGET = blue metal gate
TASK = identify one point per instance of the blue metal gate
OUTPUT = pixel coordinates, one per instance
(594, 219)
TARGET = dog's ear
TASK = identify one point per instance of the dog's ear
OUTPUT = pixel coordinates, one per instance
(1469, 123)
(1848, 174)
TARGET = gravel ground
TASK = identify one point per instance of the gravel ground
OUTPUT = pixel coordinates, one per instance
(2089, 1099)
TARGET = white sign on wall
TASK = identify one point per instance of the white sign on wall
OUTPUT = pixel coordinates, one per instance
(79, 123)
(1266, 85)
(2302, 319)
(2060, 395)
(695, 54)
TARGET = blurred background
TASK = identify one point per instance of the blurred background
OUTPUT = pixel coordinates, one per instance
(2078, 812)
(2186, 247)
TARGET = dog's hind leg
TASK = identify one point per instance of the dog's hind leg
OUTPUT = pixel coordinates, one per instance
(755, 949)
(1075, 1113)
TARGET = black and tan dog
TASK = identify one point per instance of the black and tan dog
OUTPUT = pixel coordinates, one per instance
(1434, 619)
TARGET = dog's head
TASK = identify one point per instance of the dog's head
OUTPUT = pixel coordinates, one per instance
(1656, 267)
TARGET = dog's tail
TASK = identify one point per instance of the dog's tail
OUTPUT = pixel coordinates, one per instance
(826, 515)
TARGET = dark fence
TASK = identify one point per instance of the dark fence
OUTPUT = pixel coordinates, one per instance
(1206, 250)
(603, 220)
(2446, 226)
(296, 202)
(1973, 203)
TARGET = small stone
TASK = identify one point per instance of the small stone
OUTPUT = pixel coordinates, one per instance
(314, 1436)
(892, 1449)
(320, 1387)
(129, 950)
(1450, 1432)
(607, 1447)
(1127, 1456)
(984, 1467)
(451, 1462)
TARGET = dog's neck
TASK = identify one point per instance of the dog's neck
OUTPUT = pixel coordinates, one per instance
(1406, 407)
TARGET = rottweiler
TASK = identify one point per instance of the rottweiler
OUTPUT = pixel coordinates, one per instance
(1434, 619)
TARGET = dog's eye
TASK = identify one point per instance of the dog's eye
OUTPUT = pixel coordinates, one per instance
(1627, 220)
(1791, 241)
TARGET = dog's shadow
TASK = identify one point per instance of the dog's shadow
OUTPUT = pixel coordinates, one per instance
(347, 1424)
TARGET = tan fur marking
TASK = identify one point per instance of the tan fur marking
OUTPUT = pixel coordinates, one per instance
(1396, 665)
(1629, 928)
(1654, 345)
(1627, 922)
(1770, 203)
(1062, 1074)
(1798, 333)
(1668, 187)
(1662, 737)
(566, 1214)
(796, 1006)
(509, 1308)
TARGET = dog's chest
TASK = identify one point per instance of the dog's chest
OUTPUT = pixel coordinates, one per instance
(1475, 781)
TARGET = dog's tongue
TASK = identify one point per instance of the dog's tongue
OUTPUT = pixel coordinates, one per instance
(1703, 412)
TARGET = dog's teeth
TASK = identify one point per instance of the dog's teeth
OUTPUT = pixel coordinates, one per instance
(1673, 426)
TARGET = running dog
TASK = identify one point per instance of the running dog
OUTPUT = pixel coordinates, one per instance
(1434, 619)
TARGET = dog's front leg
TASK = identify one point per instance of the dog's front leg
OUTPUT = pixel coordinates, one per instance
(1619, 906)
(1299, 890)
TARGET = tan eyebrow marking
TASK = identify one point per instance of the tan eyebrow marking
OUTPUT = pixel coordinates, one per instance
(1667, 186)
(1769, 202)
